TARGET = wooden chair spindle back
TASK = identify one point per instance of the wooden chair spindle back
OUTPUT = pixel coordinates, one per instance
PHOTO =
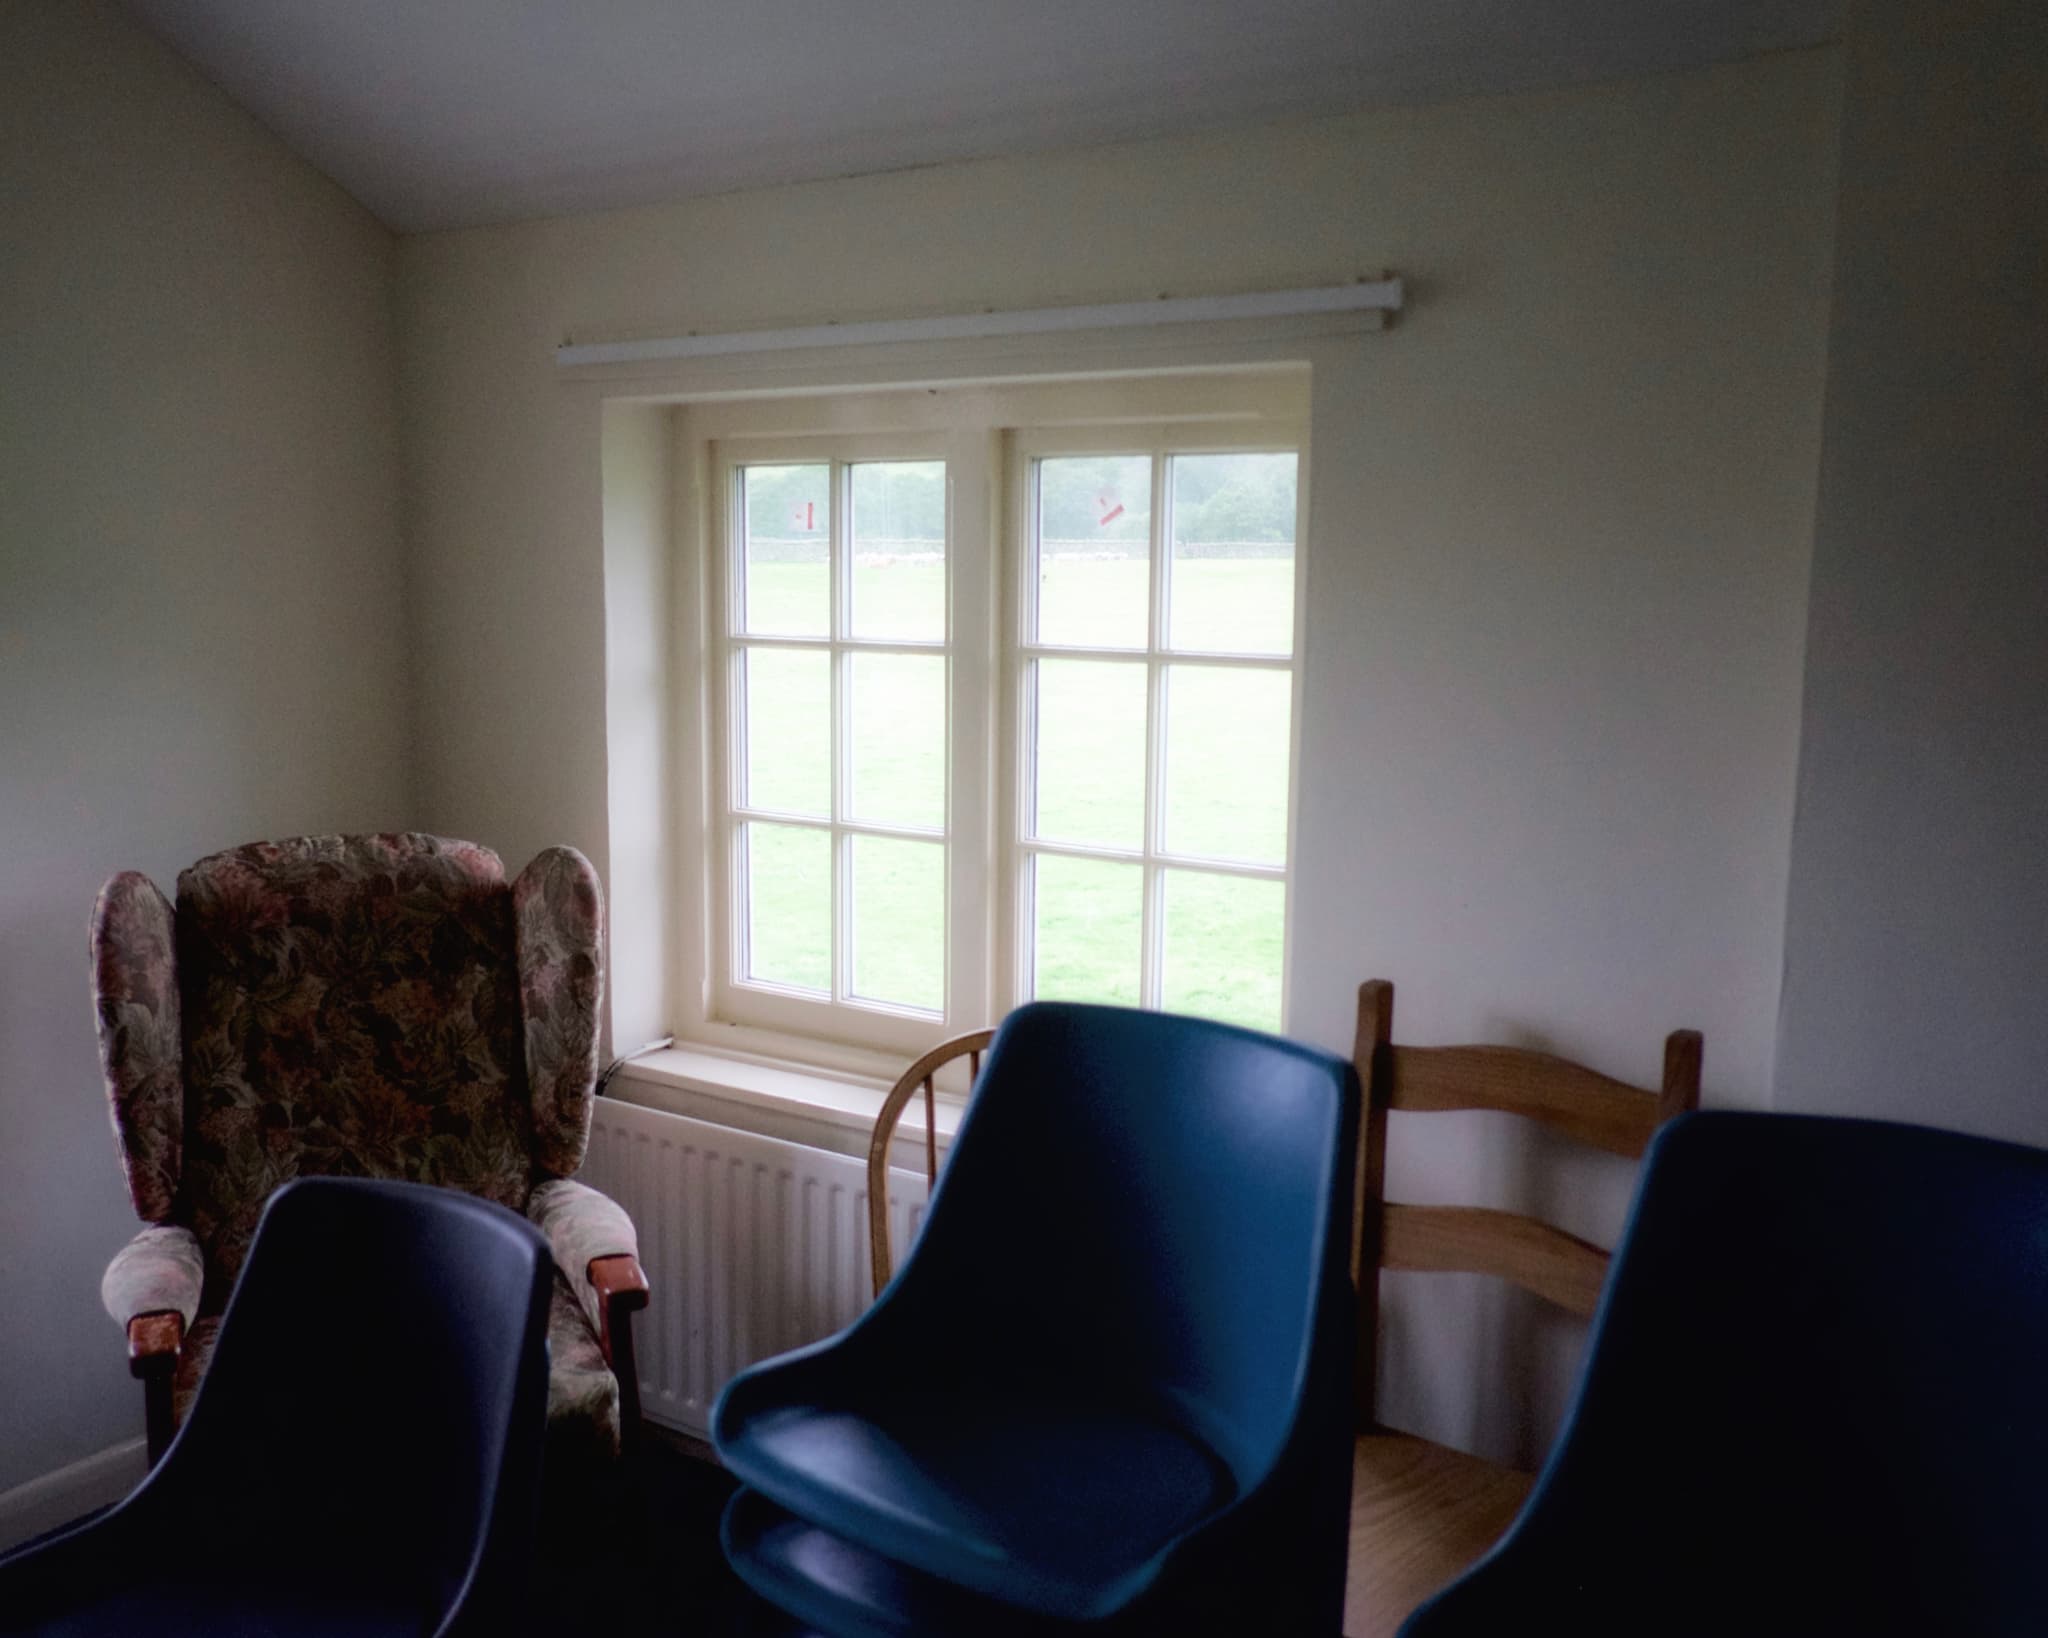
(921, 1074)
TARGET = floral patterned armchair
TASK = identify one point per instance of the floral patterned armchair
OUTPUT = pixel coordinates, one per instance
(358, 1006)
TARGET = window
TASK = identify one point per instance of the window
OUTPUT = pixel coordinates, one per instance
(1155, 712)
(1033, 743)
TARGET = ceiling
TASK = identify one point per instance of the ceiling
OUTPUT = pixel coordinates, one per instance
(449, 113)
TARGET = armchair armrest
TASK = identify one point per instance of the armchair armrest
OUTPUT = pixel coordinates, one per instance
(152, 1288)
(597, 1250)
(621, 1287)
(594, 1245)
(154, 1343)
(159, 1272)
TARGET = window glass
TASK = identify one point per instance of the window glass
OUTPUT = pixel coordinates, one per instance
(788, 702)
(788, 873)
(788, 533)
(1226, 762)
(898, 743)
(1091, 752)
(1223, 947)
(1094, 542)
(899, 921)
(899, 550)
(1232, 585)
(1087, 927)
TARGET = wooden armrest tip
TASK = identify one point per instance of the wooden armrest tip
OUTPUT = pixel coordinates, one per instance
(619, 1279)
(154, 1340)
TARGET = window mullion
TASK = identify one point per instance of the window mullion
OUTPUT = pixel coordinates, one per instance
(1152, 935)
(1017, 732)
(729, 664)
(974, 659)
(839, 590)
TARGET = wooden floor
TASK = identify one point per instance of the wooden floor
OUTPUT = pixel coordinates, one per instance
(1420, 1513)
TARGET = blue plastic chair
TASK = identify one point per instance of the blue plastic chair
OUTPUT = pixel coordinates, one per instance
(364, 1453)
(1815, 1402)
(1111, 1382)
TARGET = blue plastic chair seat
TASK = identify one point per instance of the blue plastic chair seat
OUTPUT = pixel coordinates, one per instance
(1052, 1504)
(1110, 1384)
(829, 1585)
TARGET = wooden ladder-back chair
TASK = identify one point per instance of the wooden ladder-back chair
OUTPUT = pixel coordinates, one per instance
(1422, 1512)
(920, 1074)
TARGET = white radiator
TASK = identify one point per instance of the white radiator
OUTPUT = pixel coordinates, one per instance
(753, 1245)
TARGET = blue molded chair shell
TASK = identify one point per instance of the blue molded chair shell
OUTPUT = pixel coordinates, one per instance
(1815, 1400)
(1111, 1382)
(363, 1456)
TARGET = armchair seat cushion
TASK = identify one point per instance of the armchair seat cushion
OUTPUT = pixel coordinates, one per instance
(1062, 1506)
(581, 1225)
(194, 1355)
(583, 1395)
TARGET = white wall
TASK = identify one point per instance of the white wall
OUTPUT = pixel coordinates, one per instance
(1917, 936)
(201, 609)
(640, 723)
(1561, 519)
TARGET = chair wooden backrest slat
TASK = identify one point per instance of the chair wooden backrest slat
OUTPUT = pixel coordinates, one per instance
(920, 1075)
(1569, 1098)
(1477, 1240)
(1580, 1103)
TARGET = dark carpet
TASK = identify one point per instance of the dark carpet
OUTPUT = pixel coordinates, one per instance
(629, 1552)
(636, 1553)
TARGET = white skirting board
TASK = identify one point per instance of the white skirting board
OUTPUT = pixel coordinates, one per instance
(57, 1498)
(752, 1245)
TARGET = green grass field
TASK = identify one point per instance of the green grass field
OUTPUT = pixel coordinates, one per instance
(1225, 789)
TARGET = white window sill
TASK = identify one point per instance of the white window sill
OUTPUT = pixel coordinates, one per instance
(754, 1092)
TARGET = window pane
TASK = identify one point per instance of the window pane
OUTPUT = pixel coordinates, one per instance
(1223, 947)
(788, 877)
(1087, 929)
(789, 731)
(1091, 752)
(1233, 553)
(1226, 762)
(899, 550)
(899, 739)
(788, 536)
(899, 921)
(1094, 551)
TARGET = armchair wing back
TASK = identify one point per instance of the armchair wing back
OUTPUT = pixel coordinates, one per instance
(383, 1006)
(135, 994)
(558, 921)
(351, 1008)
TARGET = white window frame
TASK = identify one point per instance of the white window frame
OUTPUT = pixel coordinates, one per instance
(855, 1021)
(1023, 647)
(981, 431)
